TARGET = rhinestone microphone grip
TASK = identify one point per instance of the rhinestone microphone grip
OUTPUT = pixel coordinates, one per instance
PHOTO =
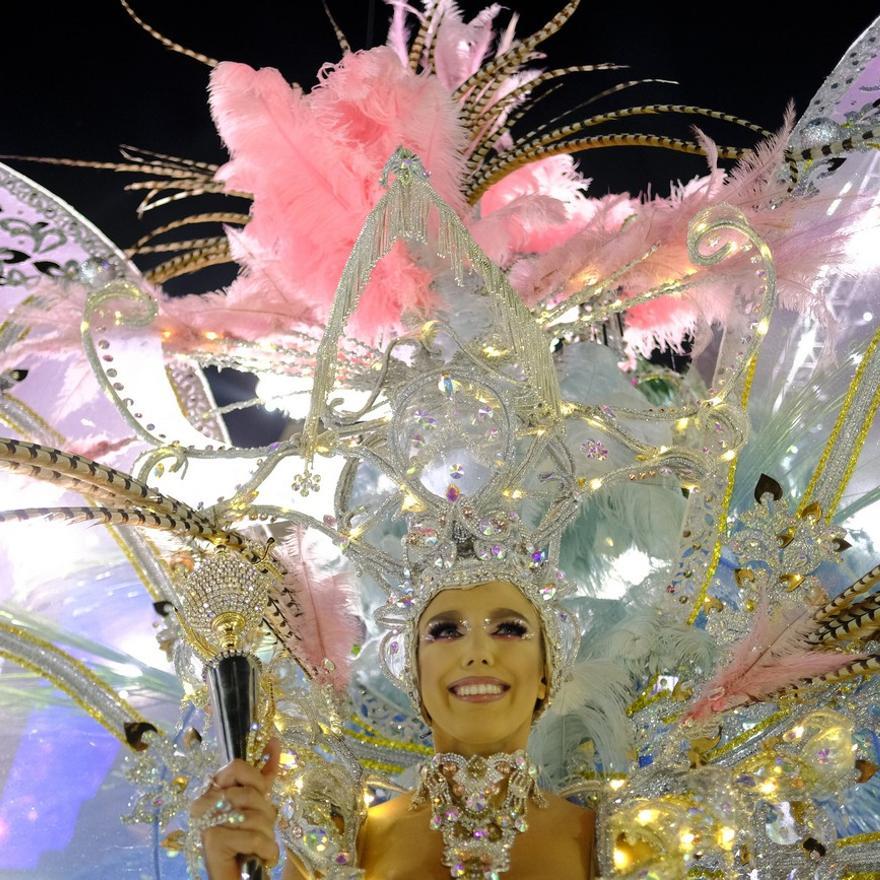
(234, 682)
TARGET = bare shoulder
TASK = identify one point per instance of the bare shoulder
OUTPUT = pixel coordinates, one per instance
(382, 819)
(387, 813)
(563, 821)
(571, 816)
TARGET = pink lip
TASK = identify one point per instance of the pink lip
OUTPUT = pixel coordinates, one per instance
(479, 698)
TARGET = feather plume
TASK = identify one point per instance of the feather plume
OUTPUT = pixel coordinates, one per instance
(804, 238)
(322, 610)
(776, 654)
(460, 48)
(398, 33)
(313, 162)
(532, 210)
(590, 706)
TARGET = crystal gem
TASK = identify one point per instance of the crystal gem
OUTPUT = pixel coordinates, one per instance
(477, 803)
(423, 535)
(96, 272)
(820, 131)
(594, 449)
(453, 493)
(405, 600)
(315, 837)
(449, 386)
(490, 526)
(425, 419)
(456, 471)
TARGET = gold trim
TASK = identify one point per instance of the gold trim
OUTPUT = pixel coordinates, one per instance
(725, 504)
(838, 427)
(746, 735)
(373, 737)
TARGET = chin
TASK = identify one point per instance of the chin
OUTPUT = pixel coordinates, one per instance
(484, 724)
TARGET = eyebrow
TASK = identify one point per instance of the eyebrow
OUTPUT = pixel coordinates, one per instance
(507, 612)
(456, 616)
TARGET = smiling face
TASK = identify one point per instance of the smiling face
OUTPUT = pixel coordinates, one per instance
(481, 668)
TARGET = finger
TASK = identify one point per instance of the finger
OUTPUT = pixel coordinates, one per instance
(242, 842)
(240, 773)
(271, 760)
(249, 799)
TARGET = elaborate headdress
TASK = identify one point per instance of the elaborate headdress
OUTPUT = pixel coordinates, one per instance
(461, 465)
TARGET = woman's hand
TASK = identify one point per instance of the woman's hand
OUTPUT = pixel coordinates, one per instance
(246, 790)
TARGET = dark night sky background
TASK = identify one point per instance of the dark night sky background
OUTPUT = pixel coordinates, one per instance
(80, 78)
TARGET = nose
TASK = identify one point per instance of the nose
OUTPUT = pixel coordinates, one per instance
(478, 649)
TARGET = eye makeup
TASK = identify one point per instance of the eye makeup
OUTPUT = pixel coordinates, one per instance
(504, 623)
(445, 628)
(512, 628)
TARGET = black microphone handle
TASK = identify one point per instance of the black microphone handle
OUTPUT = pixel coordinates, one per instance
(233, 682)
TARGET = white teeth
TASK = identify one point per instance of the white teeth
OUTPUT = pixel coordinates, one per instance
(476, 690)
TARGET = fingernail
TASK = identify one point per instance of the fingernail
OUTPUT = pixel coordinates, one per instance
(264, 759)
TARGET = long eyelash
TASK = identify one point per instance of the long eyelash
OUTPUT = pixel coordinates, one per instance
(521, 629)
(435, 630)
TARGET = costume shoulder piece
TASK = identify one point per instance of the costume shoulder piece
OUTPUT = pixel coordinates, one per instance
(654, 418)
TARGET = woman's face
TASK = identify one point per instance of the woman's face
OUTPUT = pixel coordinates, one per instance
(481, 668)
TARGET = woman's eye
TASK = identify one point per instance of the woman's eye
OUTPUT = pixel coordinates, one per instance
(443, 630)
(512, 629)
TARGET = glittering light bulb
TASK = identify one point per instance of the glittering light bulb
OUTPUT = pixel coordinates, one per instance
(726, 837)
(622, 859)
(647, 816)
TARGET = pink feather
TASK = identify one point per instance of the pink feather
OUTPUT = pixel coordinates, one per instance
(313, 162)
(322, 610)
(532, 210)
(775, 654)
(803, 238)
(461, 47)
(398, 33)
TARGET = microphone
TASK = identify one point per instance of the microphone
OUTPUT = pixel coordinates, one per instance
(222, 606)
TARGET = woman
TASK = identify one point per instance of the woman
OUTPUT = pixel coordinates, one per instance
(482, 679)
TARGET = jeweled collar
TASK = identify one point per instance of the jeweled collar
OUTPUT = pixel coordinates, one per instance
(479, 805)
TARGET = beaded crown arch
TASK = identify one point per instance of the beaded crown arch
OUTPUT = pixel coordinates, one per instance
(459, 468)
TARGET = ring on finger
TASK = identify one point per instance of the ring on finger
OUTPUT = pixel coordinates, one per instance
(221, 813)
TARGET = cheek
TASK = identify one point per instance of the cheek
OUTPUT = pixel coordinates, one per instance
(523, 658)
(429, 662)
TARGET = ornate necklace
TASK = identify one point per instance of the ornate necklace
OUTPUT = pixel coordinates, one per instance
(479, 805)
